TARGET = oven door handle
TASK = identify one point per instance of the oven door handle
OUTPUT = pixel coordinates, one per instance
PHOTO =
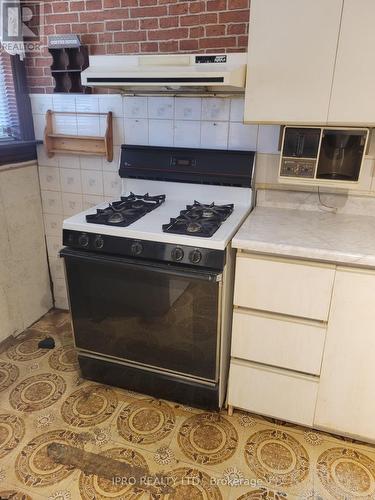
(200, 274)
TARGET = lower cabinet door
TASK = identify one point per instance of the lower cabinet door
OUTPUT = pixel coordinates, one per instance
(273, 392)
(346, 398)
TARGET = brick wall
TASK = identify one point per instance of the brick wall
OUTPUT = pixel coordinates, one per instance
(142, 26)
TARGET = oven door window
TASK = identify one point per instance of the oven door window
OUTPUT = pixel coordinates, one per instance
(158, 316)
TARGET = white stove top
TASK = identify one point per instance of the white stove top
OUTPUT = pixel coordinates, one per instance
(178, 195)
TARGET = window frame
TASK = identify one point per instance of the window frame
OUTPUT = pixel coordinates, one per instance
(24, 149)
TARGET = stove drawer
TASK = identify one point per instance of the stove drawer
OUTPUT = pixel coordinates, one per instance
(285, 286)
(275, 340)
(272, 392)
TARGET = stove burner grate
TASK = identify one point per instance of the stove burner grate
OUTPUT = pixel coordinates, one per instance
(125, 211)
(199, 219)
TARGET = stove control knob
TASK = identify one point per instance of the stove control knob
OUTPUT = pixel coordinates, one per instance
(195, 256)
(83, 240)
(99, 242)
(136, 248)
(177, 254)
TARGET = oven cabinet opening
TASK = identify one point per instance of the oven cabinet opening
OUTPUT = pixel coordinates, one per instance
(158, 316)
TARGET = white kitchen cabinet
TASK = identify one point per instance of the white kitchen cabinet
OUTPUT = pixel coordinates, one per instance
(284, 286)
(291, 59)
(346, 402)
(277, 340)
(352, 101)
(273, 392)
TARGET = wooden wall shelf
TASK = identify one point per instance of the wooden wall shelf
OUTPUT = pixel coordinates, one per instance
(78, 144)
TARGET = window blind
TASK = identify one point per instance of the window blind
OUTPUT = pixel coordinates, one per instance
(9, 121)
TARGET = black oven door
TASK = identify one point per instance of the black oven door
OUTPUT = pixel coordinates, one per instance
(160, 316)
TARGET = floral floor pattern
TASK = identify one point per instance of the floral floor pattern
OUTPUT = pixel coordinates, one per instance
(65, 438)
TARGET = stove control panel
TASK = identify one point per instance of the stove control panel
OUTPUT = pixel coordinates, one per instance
(142, 249)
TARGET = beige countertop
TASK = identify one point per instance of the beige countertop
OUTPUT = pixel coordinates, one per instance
(316, 235)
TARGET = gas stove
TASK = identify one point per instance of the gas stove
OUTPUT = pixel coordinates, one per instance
(150, 275)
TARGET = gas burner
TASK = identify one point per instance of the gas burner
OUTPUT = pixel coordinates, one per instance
(126, 210)
(199, 219)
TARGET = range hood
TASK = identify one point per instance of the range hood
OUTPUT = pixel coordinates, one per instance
(174, 74)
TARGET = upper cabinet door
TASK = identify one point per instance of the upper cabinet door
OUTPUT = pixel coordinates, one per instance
(291, 59)
(352, 101)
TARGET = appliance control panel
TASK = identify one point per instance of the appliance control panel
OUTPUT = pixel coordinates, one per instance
(293, 167)
(143, 249)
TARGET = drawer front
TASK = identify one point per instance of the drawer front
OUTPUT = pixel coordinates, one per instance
(284, 286)
(274, 340)
(272, 392)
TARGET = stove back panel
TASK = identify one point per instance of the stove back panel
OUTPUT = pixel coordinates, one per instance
(200, 166)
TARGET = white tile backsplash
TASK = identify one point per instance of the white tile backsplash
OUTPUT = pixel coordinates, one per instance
(112, 103)
(68, 161)
(187, 133)
(52, 224)
(236, 109)
(64, 102)
(92, 182)
(87, 104)
(88, 125)
(214, 135)
(268, 139)
(91, 162)
(65, 124)
(72, 203)
(161, 108)
(136, 131)
(71, 180)
(90, 200)
(112, 166)
(215, 109)
(160, 132)
(49, 178)
(40, 103)
(188, 108)
(242, 136)
(112, 184)
(43, 159)
(52, 202)
(135, 107)
(39, 126)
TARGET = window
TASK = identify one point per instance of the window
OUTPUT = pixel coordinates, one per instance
(17, 143)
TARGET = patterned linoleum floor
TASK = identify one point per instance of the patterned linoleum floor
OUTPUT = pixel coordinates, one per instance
(174, 452)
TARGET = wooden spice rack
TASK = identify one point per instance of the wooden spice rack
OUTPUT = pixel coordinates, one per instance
(78, 144)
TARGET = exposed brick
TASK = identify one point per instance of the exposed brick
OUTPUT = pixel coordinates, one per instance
(94, 4)
(168, 22)
(76, 6)
(95, 27)
(197, 32)
(216, 4)
(220, 42)
(41, 61)
(79, 28)
(189, 44)
(190, 20)
(149, 24)
(130, 36)
(197, 7)
(238, 4)
(147, 2)
(105, 37)
(113, 25)
(89, 38)
(97, 50)
(114, 48)
(62, 18)
(171, 46)
(209, 18)
(171, 34)
(148, 11)
(149, 47)
(131, 48)
(237, 29)
(243, 41)
(216, 30)
(178, 9)
(62, 29)
(60, 6)
(35, 71)
(129, 3)
(233, 16)
(130, 24)
(110, 4)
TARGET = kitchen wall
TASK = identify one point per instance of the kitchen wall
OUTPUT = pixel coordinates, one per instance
(70, 184)
(25, 293)
(141, 26)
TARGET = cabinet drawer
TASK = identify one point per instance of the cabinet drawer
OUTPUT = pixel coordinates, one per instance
(275, 340)
(284, 286)
(272, 392)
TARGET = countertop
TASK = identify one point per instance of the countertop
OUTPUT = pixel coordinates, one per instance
(316, 235)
